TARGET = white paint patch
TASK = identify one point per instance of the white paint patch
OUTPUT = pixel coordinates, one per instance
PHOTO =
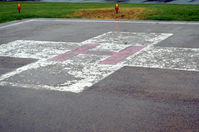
(77, 73)
(36, 49)
(167, 58)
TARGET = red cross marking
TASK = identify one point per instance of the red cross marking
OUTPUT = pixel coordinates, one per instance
(121, 55)
(72, 53)
(115, 57)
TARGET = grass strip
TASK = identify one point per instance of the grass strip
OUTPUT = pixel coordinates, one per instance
(8, 11)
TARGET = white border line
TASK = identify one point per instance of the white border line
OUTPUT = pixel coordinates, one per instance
(14, 24)
(104, 21)
(121, 21)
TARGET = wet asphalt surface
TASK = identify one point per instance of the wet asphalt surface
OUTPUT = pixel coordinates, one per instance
(130, 99)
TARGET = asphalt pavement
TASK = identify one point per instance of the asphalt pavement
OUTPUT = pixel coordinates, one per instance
(81, 75)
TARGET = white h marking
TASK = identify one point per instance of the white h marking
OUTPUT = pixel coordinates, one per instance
(80, 71)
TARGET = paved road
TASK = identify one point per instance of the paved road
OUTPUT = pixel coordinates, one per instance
(99, 75)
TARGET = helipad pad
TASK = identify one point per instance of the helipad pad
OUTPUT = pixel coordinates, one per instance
(68, 66)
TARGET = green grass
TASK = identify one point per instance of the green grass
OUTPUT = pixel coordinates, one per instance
(8, 10)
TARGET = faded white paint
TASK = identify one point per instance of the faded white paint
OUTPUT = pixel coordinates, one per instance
(84, 70)
(167, 58)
